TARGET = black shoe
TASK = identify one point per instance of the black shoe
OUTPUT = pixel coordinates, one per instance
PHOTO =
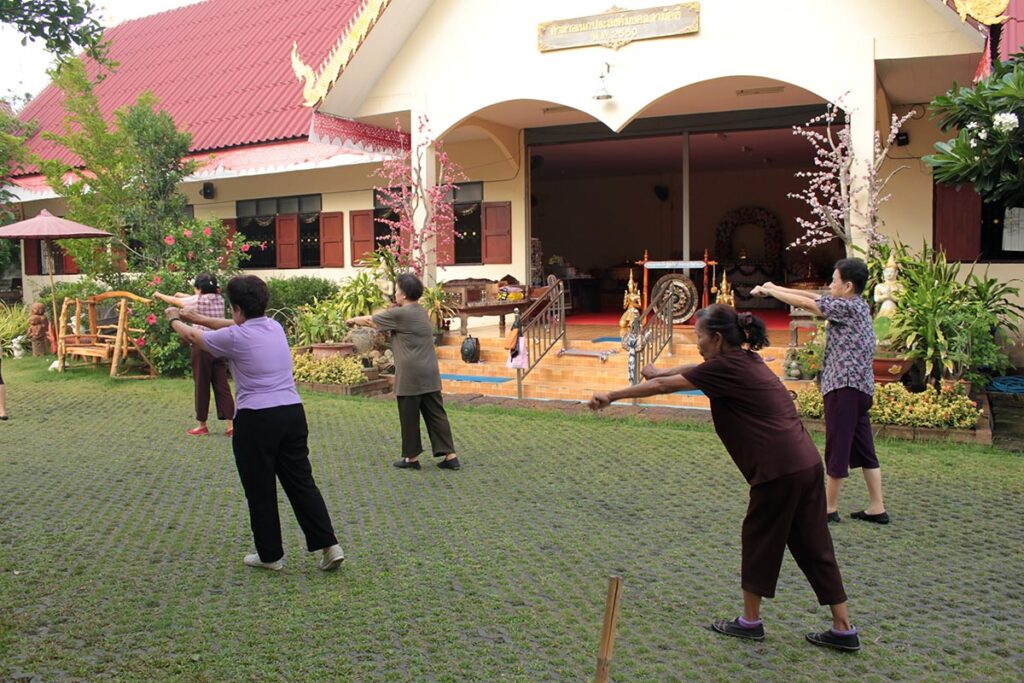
(834, 518)
(452, 464)
(736, 629)
(407, 464)
(836, 641)
(880, 518)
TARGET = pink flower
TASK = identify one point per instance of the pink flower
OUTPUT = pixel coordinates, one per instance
(263, 246)
(151, 319)
(156, 279)
(191, 255)
(245, 247)
(187, 233)
(169, 239)
(140, 341)
(206, 231)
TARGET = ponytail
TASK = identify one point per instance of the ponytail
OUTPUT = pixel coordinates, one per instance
(737, 329)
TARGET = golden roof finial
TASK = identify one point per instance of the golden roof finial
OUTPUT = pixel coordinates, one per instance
(987, 12)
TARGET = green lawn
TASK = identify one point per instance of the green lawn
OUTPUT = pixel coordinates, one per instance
(121, 542)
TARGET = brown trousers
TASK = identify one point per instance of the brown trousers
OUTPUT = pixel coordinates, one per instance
(208, 371)
(790, 511)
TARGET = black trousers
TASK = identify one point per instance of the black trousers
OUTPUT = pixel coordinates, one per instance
(790, 511)
(271, 443)
(440, 432)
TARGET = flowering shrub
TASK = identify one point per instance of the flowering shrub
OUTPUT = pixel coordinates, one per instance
(811, 354)
(346, 370)
(946, 408)
(987, 149)
(191, 248)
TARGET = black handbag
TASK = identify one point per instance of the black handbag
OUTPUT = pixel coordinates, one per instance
(471, 350)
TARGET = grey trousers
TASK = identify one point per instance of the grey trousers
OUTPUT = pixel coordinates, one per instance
(440, 432)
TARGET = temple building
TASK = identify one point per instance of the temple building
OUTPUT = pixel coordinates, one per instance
(588, 135)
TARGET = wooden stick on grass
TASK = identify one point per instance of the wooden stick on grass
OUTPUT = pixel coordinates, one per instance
(611, 619)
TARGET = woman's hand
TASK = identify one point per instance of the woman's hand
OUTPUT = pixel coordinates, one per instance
(600, 400)
(650, 372)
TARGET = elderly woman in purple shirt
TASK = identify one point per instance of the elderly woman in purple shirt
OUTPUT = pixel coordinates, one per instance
(270, 438)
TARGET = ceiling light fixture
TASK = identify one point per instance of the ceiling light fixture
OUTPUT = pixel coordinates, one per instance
(602, 93)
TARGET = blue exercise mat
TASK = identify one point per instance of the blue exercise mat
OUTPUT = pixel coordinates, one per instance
(689, 392)
(606, 339)
(475, 378)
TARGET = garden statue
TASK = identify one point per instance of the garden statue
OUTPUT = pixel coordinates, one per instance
(726, 295)
(888, 290)
(17, 350)
(630, 302)
(38, 329)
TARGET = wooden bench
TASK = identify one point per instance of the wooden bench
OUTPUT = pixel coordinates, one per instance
(498, 308)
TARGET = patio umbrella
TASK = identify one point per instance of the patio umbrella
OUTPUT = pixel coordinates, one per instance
(48, 227)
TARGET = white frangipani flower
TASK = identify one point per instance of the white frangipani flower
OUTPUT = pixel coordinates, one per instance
(1005, 122)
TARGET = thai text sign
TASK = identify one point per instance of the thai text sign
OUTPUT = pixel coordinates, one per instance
(616, 27)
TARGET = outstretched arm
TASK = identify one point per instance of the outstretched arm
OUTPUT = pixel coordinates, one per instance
(660, 385)
(361, 321)
(651, 372)
(793, 297)
(186, 332)
(172, 300)
(190, 315)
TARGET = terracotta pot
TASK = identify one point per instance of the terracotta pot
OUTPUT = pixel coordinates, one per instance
(890, 369)
(328, 349)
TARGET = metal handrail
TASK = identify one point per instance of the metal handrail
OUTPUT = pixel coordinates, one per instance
(542, 326)
(650, 334)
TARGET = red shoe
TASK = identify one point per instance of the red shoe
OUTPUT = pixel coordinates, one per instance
(199, 431)
(230, 432)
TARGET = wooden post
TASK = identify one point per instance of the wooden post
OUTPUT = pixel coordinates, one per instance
(643, 264)
(611, 620)
(120, 338)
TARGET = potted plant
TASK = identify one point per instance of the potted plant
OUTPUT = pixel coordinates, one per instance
(320, 327)
(890, 362)
(438, 304)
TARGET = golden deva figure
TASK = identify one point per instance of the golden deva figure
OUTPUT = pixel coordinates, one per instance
(726, 295)
(631, 304)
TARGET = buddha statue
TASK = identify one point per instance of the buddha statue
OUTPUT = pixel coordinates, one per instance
(631, 302)
(726, 295)
(888, 291)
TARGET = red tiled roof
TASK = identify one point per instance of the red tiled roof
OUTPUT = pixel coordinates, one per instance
(220, 68)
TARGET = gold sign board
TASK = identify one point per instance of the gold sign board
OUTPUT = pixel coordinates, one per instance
(618, 27)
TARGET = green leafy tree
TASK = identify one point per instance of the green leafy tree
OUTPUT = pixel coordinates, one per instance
(13, 134)
(126, 179)
(989, 145)
(64, 26)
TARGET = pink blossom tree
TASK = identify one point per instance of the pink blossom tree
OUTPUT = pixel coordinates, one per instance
(829, 190)
(407, 192)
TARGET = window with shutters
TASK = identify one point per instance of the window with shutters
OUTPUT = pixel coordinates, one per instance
(382, 213)
(968, 229)
(258, 220)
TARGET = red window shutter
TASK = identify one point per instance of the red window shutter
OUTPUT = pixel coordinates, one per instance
(70, 267)
(496, 228)
(31, 250)
(360, 225)
(332, 240)
(957, 222)
(288, 241)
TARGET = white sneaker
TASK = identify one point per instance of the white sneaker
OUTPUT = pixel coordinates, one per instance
(253, 560)
(332, 558)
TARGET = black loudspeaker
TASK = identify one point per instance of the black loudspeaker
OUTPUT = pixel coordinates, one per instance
(207, 192)
(902, 139)
(471, 350)
(661, 192)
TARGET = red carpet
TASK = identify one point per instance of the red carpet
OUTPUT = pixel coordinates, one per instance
(774, 319)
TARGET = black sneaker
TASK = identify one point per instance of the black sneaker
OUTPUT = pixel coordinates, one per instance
(736, 629)
(834, 518)
(880, 518)
(836, 641)
(452, 464)
(407, 464)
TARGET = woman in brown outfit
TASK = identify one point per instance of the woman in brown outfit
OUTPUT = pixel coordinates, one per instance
(758, 424)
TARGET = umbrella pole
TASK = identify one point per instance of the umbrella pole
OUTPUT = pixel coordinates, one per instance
(53, 290)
